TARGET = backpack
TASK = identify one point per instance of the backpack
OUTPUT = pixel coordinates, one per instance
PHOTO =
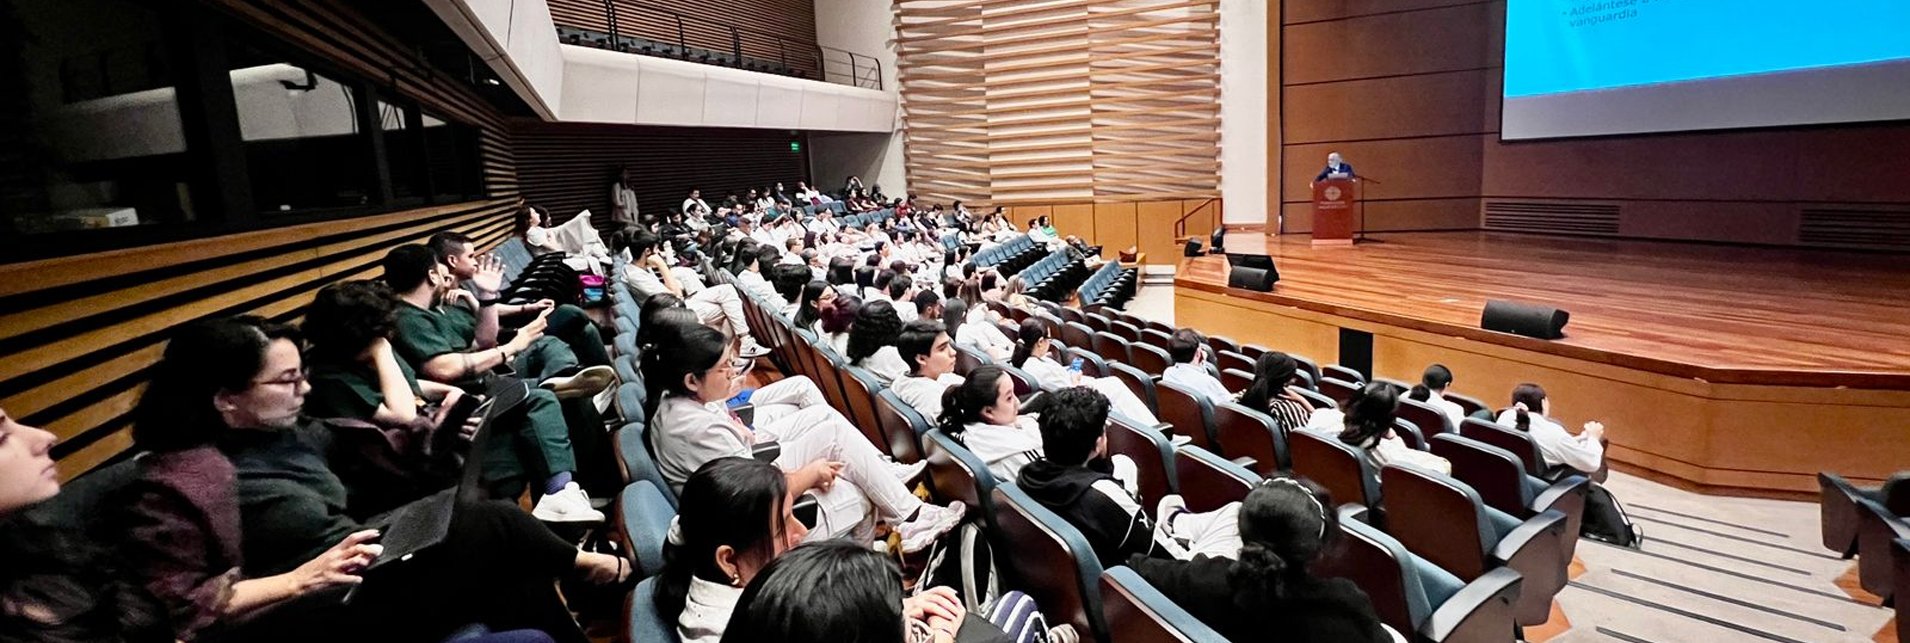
(1606, 520)
(962, 560)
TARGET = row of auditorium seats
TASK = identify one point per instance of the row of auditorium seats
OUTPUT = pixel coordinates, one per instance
(1871, 524)
(1111, 286)
(1009, 257)
(1053, 276)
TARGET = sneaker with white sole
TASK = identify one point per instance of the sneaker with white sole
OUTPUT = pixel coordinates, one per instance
(931, 521)
(750, 349)
(585, 382)
(569, 505)
(1171, 506)
(907, 472)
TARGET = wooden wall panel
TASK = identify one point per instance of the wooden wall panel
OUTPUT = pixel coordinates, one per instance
(1387, 44)
(1437, 104)
(1399, 215)
(78, 333)
(1406, 168)
(1114, 226)
(567, 167)
(1299, 11)
(1044, 102)
(1074, 219)
(767, 30)
(1154, 229)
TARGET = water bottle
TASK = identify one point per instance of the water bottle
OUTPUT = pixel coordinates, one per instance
(1075, 367)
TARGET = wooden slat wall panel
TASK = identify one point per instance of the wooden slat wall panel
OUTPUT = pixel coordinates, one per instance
(569, 167)
(1030, 102)
(78, 333)
(769, 30)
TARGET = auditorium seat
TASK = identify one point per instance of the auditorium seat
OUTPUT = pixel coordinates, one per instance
(1417, 598)
(1208, 481)
(1152, 454)
(1504, 485)
(624, 343)
(1514, 441)
(1098, 321)
(1467, 404)
(645, 515)
(1012, 330)
(1876, 528)
(1398, 387)
(1900, 561)
(1307, 366)
(1048, 559)
(1342, 372)
(1072, 315)
(643, 622)
(1235, 379)
(1124, 330)
(1221, 343)
(969, 358)
(1091, 364)
(633, 454)
(1248, 433)
(1409, 433)
(1143, 614)
(630, 398)
(859, 387)
(1444, 521)
(1076, 334)
(1338, 389)
(1189, 413)
(1254, 351)
(1317, 399)
(1141, 383)
(1151, 359)
(1025, 384)
(1157, 338)
(1164, 328)
(956, 473)
(1430, 420)
(1336, 466)
(1837, 507)
(902, 427)
(1227, 359)
(1111, 347)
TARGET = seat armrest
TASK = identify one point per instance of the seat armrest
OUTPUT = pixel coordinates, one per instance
(766, 451)
(1487, 597)
(1563, 489)
(807, 510)
(1356, 512)
(1246, 462)
(747, 412)
(1533, 528)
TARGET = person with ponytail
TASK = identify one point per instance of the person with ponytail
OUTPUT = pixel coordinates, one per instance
(872, 341)
(1531, 412)
(984, 414)
(1271, 391)
(1365, 422)
(694, 375)
(815, 296)
(1432, 390)
(1035, 354)
(735, 518)
(837, 318)
(1285, 524)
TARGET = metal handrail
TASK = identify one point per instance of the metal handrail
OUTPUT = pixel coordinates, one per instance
(1180, 225)
(863, 71)
(860, 75)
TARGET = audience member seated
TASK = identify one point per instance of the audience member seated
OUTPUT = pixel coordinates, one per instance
(721, 306)
(901, 294)
(237, 508)
(789, 281)
(837, 320)
(817, 295)
(973, 325)
(734, 518)
(822, 592)
(1271, 391)
(577, 238)
(1531, 412)
(445, 339)
(931, 359)
(1190, 366)
(872, 342)
(1035, 355)
(1284, 525)
(984, 415)
(483, 276)
(694, 373)
(1078, 481)
(751, 279)
(57, 585)
(1432, 390)
(1365, 422)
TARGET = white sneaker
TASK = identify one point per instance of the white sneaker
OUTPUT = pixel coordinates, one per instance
(569, 505)
(584, 383)
(907, 472)
(930, 522)
(1171, 506)
(750, 349)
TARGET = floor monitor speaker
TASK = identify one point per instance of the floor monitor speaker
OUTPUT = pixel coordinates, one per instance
(1530, 320)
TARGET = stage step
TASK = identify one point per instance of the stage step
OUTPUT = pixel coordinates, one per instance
(1157, 275)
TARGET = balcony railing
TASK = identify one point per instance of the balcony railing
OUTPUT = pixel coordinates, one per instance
(634, 27)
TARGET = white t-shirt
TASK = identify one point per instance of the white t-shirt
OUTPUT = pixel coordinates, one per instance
(1196, 378)
(924, 394)
(885, 364)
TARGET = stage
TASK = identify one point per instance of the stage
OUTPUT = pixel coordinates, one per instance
(1720, 368)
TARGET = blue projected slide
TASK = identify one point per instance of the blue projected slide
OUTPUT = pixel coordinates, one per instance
(1558, 47)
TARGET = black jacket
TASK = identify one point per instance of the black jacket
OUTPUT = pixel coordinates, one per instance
(1110, 528)
(1309, 610)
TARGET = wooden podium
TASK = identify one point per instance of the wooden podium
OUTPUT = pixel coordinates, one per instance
(1333, 202)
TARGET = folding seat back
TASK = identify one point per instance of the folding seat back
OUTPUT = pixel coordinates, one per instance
(1012, 330)
(1098, 321)
(1336, 466)
(1235, 379)
(1338, 389)
(1025, 384)
(1417, 598)
(1127, 331)
(1443, 520)
(1163, 328)
(1875, 532)
(1307, 366)
(645, 515)
(630, 399)
(969, 358)
(1091, 364)
(1208, 481)
(1156, 338)
(1248, 433)
(1151, 359)
(1317, 399)
(1398, 386)
(625, 324)
(859, 387)
(633, 452)
(1344, 373)
(1111, 347)
(1073, 315)
(1837, 513)
(1190, 413)
(1076, 334)
(1519, 443)
(1409, 433)
(1502, 483)
(1152, 454)
(1140, 383)
(1049, 560)
(644, 622)
(1254, 351)
(902, 426)
(1231, 359)
(1220, 343)
(957, 473)
(627, 370)
(1430, 420)
(1142, 614)
(1469, 405)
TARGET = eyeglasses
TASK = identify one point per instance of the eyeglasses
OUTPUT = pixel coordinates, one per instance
(289, 380)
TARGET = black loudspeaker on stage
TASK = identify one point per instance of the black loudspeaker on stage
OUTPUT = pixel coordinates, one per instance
(1251, 272)
(1192, 249)
(1530, 320)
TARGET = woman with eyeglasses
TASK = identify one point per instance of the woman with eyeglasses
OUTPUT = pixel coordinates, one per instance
(1035, 354)
(237, 519)
(692, 378)
(1285, 525)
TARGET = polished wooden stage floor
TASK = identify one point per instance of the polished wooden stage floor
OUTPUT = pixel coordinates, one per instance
(1726, 369)
(1724, 314)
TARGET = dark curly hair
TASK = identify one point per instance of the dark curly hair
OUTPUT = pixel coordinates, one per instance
(347, 316)
(875, 327)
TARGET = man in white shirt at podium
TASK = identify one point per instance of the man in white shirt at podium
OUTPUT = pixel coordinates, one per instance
(1335, 169)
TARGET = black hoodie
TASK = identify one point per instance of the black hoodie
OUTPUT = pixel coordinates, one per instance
(1115, 527)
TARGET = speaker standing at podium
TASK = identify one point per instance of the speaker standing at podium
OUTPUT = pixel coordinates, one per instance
(1335, 169)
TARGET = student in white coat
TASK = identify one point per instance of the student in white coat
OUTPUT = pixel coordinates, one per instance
(694, 374)
(1034, 354)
